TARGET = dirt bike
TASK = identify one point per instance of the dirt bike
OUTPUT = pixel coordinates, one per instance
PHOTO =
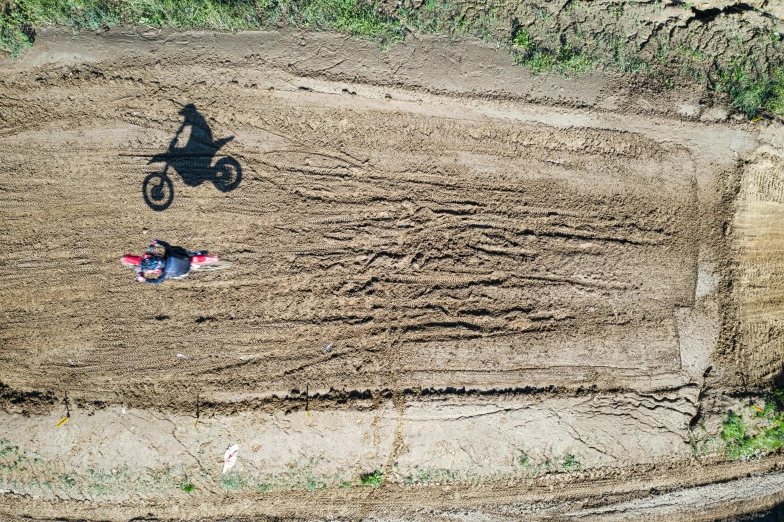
(199, 261)
(194, 169)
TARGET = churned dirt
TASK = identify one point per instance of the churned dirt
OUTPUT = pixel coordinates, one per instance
(502, 292)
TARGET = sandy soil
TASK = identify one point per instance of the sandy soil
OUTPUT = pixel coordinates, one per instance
(508, 288)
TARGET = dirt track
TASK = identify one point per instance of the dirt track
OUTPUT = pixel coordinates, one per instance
(410, 237)
(435, 241)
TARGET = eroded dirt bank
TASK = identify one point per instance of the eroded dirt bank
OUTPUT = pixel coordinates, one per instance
(459, 244)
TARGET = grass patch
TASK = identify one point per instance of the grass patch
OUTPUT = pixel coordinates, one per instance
(313, 483)
(524, 460)
(16, 31)
(432, 475)
(99, 482)
(751, 92)
(563, 58)
(234, 481)
(748, 73)
(550, 465)
(187, 486)
(67, 481)
(354, 17)
(10, 458)
(570, 463)
(372, 479)
(360, 18)
(6, 448)
(757, 431)
(302, 476)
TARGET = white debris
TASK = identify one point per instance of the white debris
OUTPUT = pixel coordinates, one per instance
(328, 347)
(230, 458)
(181, 356)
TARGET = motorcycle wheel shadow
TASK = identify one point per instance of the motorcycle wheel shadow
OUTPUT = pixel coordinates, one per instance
(158, 189)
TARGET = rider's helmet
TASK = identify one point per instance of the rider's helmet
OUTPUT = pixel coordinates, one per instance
(152, 266)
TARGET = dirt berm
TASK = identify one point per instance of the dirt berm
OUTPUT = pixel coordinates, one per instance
(457, 292)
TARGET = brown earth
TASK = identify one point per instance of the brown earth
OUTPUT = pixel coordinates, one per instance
(445, 236)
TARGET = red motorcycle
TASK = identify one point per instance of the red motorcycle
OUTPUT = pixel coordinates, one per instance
(199, 261)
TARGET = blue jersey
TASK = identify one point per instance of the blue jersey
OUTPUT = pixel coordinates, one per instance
(178, 263)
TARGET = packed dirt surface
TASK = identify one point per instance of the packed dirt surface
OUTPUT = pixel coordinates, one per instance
(478, 297)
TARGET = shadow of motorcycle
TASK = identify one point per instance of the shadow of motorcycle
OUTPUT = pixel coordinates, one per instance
(193, 169)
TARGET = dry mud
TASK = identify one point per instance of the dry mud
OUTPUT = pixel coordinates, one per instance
(509, 288)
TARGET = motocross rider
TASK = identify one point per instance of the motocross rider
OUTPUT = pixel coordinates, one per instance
(155, 268)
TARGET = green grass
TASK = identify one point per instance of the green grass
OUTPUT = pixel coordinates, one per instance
(755, 433)
(66, 480)
(432, 475)
(524, 460)
(372, 479)
(434, 16)
(264, 488)
(751, 84)
(563, 58)
(550, 465)
(99, 482)
(16, 33)
(10, 458)
(313, 483)
(353, 17)
(6, 448)
(570, 463)
(234, 481)
(751, 92)
(187, 486)
(523, 40)
(301, 475)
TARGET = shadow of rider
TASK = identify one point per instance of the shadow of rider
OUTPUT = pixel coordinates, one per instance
(192, 161)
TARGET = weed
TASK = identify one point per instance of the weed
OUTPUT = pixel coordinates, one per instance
(301, 476)
(16, 32)
(264, 488)
(571, 463)
(627, 60)
(751, 84)
(523, 40)
(372, 479)
(749, 91)
(99, 482)
(312, 484)
(542, 14)
(187, 486)
(234, 481)
(6, 448)
(437, 475)
(755, 433)
(345, 484)
(67, 480)
(354, 17)
(564, 59)
(540, 62)
(524, 460)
